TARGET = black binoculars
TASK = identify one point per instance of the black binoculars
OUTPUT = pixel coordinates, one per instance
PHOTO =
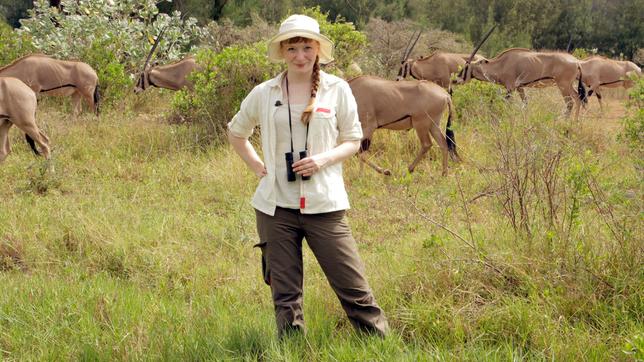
(290, 174)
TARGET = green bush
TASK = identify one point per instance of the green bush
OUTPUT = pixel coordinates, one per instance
(633, 133)
(222, 83)
(113, 79)
(478, 101)
(113, 37)
(349, 42)
(12, 45)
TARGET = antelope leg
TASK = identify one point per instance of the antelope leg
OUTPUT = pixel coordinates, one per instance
(363, 158)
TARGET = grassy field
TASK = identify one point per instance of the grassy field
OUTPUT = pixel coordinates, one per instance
(135, 243)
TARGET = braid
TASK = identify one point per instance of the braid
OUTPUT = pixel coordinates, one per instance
(315, 83)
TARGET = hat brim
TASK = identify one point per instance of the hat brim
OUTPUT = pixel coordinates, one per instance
(326, 45)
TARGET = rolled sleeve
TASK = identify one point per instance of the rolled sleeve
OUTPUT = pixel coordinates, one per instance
(245, 121)
(347, 115)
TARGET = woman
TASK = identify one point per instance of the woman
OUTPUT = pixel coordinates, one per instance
(309, 125)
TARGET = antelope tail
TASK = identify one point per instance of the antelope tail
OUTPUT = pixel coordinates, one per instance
(32, 144)
(449, 133)
(97, 99)
(580, 88)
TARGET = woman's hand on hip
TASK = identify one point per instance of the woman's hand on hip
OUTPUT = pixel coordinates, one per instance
(260, 170)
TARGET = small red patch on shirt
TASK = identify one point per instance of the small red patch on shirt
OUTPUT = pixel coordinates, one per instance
(323, 110)
(302, 202)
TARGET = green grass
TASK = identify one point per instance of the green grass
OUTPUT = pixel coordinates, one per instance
(136, 244)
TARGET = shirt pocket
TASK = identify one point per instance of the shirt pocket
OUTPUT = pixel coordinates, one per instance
(323, 129)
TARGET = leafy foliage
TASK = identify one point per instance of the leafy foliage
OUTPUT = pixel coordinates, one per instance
(13, 45)
(126, 28)
(633, 133)
(218, 35)
(349, 43)
(113, 37)
(222, 83)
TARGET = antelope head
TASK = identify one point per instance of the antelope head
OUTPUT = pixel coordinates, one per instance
(143, 80)
(466, 73)
(405, 62)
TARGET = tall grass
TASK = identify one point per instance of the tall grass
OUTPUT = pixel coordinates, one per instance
(138, 246)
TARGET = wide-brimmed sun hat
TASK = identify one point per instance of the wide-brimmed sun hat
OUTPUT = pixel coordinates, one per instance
(303, 26)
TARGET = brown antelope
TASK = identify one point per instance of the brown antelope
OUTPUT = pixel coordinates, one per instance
(171, 76)
(18, 107)
(55, 77)
(598, 72)
(437, 67)
(402, 105)
(517, 67)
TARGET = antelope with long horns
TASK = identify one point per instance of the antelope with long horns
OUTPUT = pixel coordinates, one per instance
(437, 67)
(402, 105)
(18, 107)
(171, 76)
(55, 77)
(517, 68)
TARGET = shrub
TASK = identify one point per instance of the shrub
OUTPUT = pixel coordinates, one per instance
(477, 101)
(633, 122)
(113, 37)
(387, 42)
(222, 34)
(582, 53)
(224, 81)
(349, 42)
(13, 45)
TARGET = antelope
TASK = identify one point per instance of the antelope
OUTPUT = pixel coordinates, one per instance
(437, 67)
(600, 72)
(517, 68)
(18, 107)
(402, 105)
(171, 76)
(55, 77)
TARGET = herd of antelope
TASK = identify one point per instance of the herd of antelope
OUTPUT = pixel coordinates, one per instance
(397, 105)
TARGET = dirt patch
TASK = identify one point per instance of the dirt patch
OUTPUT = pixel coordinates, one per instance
(12, 254)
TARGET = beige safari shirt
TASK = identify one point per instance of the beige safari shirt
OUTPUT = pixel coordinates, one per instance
(334, 120)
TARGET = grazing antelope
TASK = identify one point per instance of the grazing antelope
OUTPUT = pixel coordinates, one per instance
(437, 67)
(18, 107)
(598, 72)
(171, 76)
(55, 77)
(517, 68)
(402, 105)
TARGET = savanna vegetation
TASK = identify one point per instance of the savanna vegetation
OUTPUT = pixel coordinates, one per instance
(134, 242)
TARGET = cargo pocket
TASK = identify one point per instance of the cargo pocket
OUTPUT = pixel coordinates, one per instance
(265, 271)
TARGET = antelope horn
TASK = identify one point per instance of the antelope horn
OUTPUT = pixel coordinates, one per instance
(404, 57)
(413, 45)
(480, 44)
(154, 46)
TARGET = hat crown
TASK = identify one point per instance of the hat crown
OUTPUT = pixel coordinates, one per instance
(300, 22)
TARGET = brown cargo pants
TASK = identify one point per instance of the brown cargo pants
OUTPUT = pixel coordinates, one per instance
(330, 239)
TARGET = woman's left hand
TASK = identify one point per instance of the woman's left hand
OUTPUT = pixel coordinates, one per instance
(309, 165)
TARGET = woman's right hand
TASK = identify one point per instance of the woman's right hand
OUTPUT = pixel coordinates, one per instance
(260, 170)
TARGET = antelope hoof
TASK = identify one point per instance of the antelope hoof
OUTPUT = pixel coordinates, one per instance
(386, 172)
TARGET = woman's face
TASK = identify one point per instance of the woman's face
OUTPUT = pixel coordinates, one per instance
(300, 56)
